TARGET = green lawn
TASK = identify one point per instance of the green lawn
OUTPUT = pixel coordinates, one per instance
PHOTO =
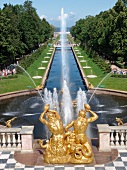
(23, 81)
(108, 81)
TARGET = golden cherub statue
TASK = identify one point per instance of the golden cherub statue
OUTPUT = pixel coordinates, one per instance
(66, 146)
(8, 122)
(119, 120)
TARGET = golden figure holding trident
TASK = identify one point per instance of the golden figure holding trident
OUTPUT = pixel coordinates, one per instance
(72, 146)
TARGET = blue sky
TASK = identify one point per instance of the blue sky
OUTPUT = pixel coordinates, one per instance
(74, 9)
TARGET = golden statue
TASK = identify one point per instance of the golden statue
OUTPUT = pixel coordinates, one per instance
(8, 123)
(40, 87)
(55, 149)
(74, 103)
(119, 120)
(83, 151)
(90, 86)
(67, 146)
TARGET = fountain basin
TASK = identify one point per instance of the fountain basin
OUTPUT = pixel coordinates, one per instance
(86, 67)
(80, 56)
(82, 61)
(91, 76)
(37, 77)
(44, 61)
(42, 68)
(47, 57)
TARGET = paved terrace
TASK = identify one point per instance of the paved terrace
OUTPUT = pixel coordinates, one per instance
(11, 160)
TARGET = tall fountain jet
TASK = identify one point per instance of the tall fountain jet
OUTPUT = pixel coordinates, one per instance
(65, 66)
(66, 108)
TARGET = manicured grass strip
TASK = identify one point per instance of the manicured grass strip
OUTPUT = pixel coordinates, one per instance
(23, 81)
(108, 82)
(10, 85)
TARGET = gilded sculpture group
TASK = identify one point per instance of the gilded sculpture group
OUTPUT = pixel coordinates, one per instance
(66, 146)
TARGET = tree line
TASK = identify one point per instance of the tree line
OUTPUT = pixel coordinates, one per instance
(105, 34)
(21, 32)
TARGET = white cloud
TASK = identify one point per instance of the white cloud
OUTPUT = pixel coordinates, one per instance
(71, 15)
(70, 19)
(51, 19)
(59, 18)
(43, 16)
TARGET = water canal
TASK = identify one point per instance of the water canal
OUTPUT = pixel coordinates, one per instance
(55, 74)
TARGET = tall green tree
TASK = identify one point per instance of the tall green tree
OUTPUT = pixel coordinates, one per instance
(105, 33)
(21, 31)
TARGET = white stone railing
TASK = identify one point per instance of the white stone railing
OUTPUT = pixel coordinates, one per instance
(112, 137)
(118, 136)
(17, 138)
(22, 138)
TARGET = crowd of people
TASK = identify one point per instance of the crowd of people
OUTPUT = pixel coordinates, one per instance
(119, 71)
(6, 72)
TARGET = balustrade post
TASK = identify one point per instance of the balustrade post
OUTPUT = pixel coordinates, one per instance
(8, 140)
(104, 137)
(0, 140)
(13, 140)
(18, 141)
(3, 140)
(126, 138)
(117, 138)
(122, 138)
(27, 138)
(112, 139)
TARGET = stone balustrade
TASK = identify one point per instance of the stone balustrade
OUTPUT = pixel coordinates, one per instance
(16, 138)
(22, 138)
(118, 137)
(112, 137)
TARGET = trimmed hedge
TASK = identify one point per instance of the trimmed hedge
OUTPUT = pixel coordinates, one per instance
(100, 62)
(27, 61)
(119, 75)
(119, 64)
(9, 76)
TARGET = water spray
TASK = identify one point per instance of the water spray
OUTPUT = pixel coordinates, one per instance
(29, 77)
